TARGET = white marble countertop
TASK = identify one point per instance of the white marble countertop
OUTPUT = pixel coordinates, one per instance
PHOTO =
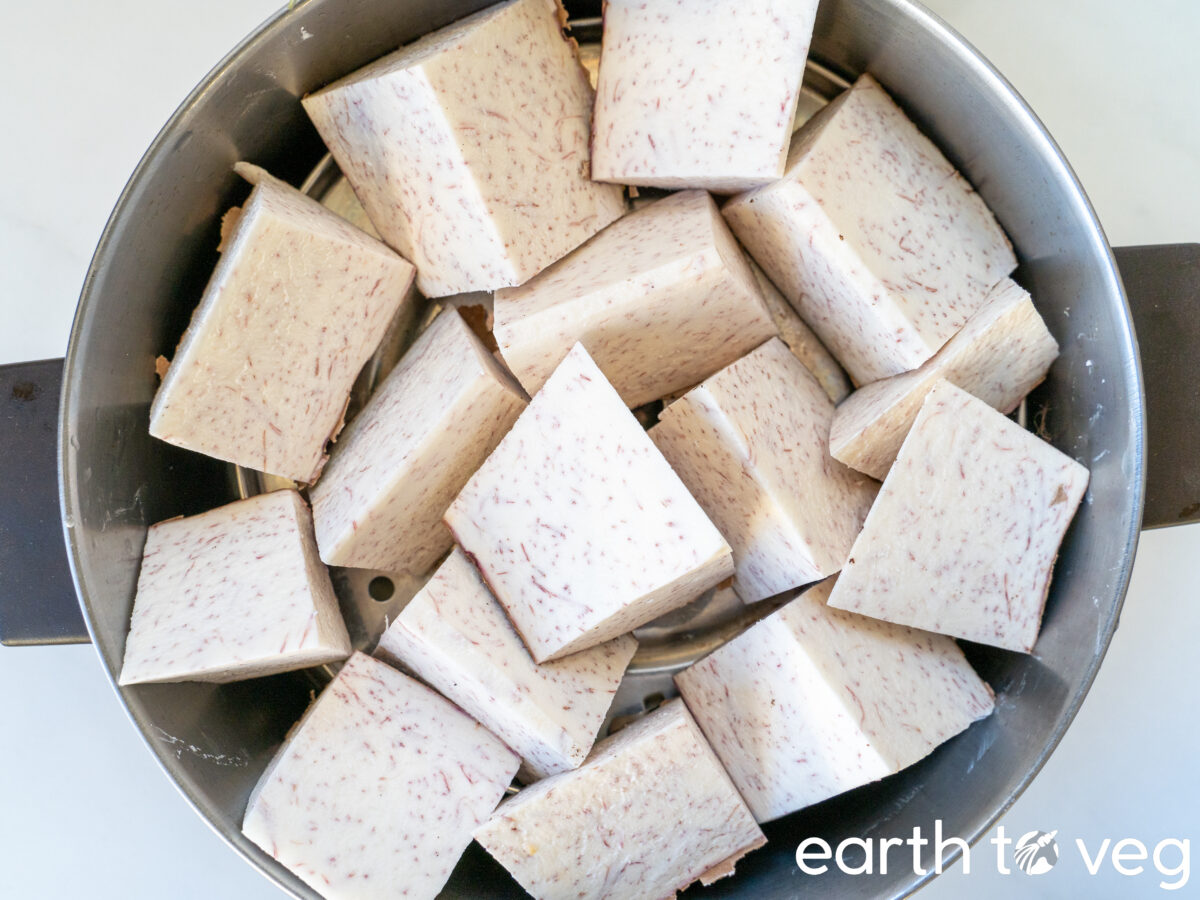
(87, 812)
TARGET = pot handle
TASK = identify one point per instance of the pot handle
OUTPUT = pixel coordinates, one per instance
(38, 603)
(1162, 283)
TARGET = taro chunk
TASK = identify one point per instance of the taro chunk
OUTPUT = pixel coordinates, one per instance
(377, 790)
(1001, 354)
(456, 637)
(963, 536)
(752, 445)
(878, 242)
(469, 148)
(661, 299)
(674, 105)
(650, 812)
(233, 593)
(813, 701)
(578, 524)
(805, 345)
(297, 303)
(434, 419)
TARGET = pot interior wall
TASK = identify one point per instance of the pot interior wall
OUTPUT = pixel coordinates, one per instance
(160, 246)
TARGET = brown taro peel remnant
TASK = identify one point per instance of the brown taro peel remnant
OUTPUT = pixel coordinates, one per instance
(296, 305)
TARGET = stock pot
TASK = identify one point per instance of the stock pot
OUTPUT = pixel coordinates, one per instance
(159, 247)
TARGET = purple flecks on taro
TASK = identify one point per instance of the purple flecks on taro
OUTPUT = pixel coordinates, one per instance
(813, 701)
(802, 341)
(674, 107)
(480, 178)
(661, 299)
(236, 592)
(456, 637)
(577, 523)
(650, 812)
(1002, 353)
(426, 428)
(752, 445)
(296, 305)
(964, 533)
(378, 788)
(882, 247)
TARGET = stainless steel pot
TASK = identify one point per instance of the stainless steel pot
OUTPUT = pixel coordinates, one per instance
(159, 247)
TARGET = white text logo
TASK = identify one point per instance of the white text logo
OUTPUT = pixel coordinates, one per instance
(1033, 853)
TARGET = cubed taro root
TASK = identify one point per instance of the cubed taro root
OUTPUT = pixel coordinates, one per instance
(801, 340)
(577, 523)
(963, 536)
(375, 793)
(456, 637)
(1002, 353)
(660, 299)
(403, 459)
(878, 242)
(752, 445)
(813, 701)
(296, 305)
(650, 812)
(469, 148)
(674, 107)
(236, 592)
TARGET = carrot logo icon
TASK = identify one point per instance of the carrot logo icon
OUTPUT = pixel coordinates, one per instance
(1036, 852)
